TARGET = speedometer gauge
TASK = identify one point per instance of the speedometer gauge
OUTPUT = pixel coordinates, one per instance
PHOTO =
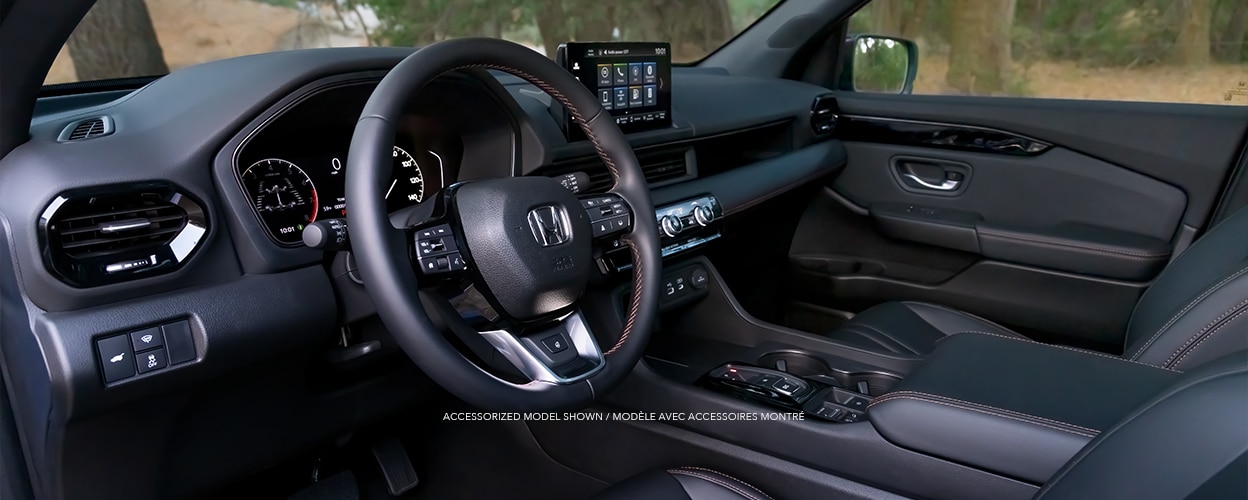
(408, 186)
(283, 196)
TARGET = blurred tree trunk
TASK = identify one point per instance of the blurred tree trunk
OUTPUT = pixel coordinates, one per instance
(1031, 12)
(913, 25)
(1234, 41)
(552, 25)
(979, 45)
(116, 40)
(1193, 43)
(693, 27)
(887, 17)
(595, 20)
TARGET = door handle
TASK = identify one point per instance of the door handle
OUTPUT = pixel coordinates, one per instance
(933, 176)
(947, 185)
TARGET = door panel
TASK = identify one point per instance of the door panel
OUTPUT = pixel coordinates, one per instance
(1057, 237)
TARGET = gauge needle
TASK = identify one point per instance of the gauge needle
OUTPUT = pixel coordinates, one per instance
(392, 183)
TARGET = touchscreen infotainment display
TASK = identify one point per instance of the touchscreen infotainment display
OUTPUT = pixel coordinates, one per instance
(631, 79)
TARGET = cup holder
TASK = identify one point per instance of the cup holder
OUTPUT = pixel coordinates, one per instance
(809, 366)
(802, 365)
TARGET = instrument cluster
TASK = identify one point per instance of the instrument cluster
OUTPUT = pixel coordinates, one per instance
(293, 169)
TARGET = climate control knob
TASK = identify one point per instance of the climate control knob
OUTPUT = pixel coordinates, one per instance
(703, 215)
(670, 225)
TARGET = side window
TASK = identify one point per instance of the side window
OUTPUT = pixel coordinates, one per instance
(1188, 51)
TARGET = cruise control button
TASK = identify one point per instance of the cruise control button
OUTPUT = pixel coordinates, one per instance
(149, 338)
(151, 360)
(115, 358)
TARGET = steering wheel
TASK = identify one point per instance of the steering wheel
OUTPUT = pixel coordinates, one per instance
(523, 243)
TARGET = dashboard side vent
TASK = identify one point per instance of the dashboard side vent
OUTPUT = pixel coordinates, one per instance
(86, 128)
(659, 167)
(97, 238)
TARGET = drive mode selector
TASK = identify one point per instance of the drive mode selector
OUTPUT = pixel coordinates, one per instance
(670, 225)
(703, 215)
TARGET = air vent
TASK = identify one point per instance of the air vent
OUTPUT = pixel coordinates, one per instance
(87, 128)
(105, 237)
(659, 167)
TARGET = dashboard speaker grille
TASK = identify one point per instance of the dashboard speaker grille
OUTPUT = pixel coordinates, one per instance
(103, 237)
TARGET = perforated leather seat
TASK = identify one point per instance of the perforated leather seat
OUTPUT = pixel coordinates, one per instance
(1196, 311)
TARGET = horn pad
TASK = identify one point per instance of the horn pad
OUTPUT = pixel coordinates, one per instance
(530, 241)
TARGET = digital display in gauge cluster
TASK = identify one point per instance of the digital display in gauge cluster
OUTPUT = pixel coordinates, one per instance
(290, 193)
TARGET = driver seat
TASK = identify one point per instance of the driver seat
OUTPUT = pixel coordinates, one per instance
(1188, 442)
(1195, 311)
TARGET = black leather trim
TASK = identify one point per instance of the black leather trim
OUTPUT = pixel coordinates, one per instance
(979, 399)
(1188, 316)
(1086, 250)
(683, 483)
(1189, 441)
(911, 328)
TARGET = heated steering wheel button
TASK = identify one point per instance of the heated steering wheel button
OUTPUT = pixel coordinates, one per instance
(555, 344)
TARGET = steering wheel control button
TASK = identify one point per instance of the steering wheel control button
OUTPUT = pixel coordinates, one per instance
(151, 360)
(555, 344)
(149, 338)
(179, 344)
(456, 262)
(115, 358)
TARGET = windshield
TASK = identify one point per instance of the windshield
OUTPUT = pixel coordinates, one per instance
(134, 38)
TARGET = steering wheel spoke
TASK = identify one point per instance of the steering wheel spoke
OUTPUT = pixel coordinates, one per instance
(609, 215)
(564, 352)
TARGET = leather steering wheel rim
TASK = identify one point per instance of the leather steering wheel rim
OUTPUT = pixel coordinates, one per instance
(381, 250)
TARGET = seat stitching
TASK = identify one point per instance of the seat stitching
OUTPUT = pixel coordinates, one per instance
(1185, 310)
(1090, 248)
(635, 305)
(989, 407)
(890, 337)
(718, 481)
(1205, 329)
(1068, 348)
(1208, 336)
(988, 410)
(690, 467)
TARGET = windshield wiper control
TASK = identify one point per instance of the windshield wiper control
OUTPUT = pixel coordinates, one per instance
(326, 235)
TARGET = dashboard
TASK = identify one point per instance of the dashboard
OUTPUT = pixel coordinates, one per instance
(291, 168)
(259, 144)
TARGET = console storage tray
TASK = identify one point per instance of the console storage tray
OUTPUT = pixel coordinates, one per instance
(1011, 406)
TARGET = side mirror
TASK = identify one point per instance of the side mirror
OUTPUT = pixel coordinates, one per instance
(882, 64)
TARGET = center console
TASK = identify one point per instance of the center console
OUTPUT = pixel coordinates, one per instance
(981, 417)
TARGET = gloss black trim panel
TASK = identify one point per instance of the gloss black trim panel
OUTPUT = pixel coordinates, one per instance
(937, 135)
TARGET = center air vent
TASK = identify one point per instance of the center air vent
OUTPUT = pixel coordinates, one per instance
(86, 128)
(660, 168)
(101, 237)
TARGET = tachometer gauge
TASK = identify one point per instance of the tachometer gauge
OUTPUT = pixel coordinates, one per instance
(408, 186)
(283, 195)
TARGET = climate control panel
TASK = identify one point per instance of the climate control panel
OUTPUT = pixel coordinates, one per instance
(687, 216)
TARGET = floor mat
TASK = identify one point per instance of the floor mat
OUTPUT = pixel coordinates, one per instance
(488, 460)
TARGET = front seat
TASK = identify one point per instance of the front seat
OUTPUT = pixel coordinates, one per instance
(1196, 310)
(1189, 442)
